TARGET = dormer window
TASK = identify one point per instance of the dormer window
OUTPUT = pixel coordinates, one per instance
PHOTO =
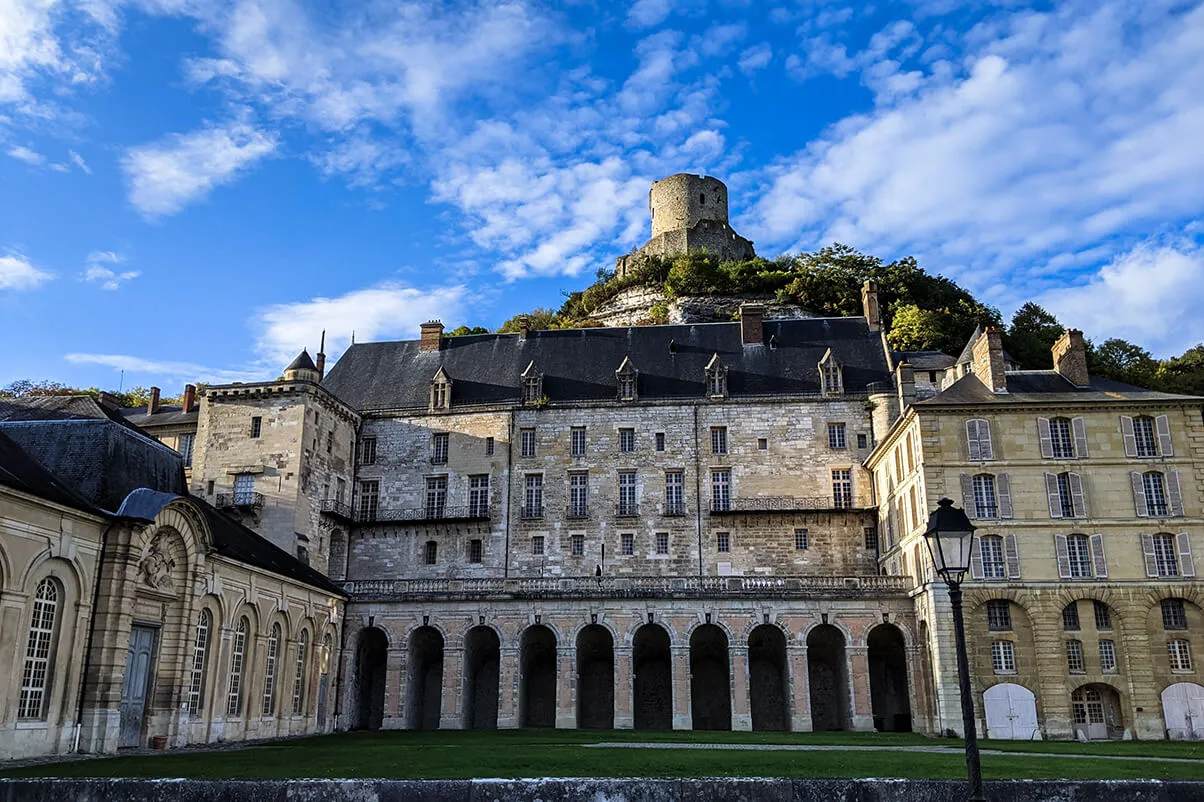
(441, 391)
(627, 377)
(716, 374)
(830, 375)
(532, 384)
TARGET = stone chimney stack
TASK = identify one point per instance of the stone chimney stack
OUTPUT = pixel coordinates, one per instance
(524, 327)
(153, 405)
(988, 360)
(905, 380)
(1070, 357)
(869, 304)
(752, 324)
(108, 400)
(432, 336)
(189, 397)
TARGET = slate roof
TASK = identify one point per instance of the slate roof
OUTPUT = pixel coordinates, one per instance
(302, 362)
(924, 360)
(580, 364)
(166, 415)
(1044, 387)
(20, 471)
(967, 354)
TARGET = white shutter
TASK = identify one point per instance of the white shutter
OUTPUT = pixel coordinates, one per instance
(1151, 559)
(1003, 488)
(1174, 496)
(968, 496)
(1045, 437)
(1139, 503)
(1099, 561)
(1166, 448)
(1055, 498)
(972, 441)
(1011, 552)
(1077, 496)
(1063, 554)
(984, 440)
(1126, 429)
(976, 570)
(1079, 426)
(1187, 568)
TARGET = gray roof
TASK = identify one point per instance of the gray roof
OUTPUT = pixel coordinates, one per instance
(924, 360)
(580, 364)
(20, 471)
(967, 354)
(302, 362)
(1044, 387)
(166, 415)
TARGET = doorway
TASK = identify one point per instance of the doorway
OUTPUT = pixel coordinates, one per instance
(137, 684)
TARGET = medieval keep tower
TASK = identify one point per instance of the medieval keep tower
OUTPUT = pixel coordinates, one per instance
(689, 215)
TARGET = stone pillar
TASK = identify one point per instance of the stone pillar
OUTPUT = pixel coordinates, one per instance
(862, 719)
(508, 678)
(682, 715)
(396, 685)
(624, 690)
(566, 688)
(451, 715)
(741, 709)
(800, 690)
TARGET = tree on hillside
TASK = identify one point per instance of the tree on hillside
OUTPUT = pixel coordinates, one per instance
(460, 331)
(1183, 374)
(1031, 336)
(1123, 361)
(538, 318)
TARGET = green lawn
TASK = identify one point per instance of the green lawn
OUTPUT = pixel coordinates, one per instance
(561, 753)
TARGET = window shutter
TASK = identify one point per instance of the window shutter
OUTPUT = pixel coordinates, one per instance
(968, 496)
(972, 441)
(1055, 498)
(1079, 426)
(1139, 502)
(1165, 447)
(1012, 556)
(1045, 437)
(1100, 562)
(1077, 496)
(976, 571)
(1174, 496)
(1003, 488)
(1151, 559)
(984, 440)
(1126, 429)
(1063, 553)
(1187, 568)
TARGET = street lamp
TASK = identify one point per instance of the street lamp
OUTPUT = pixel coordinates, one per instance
(950, 539)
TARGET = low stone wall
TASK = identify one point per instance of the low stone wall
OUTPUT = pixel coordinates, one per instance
(715, 790)
(633, 306)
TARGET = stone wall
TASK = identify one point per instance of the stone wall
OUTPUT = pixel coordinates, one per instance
(634, 305)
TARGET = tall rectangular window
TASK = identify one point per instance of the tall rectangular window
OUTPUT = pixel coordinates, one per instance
(718, 439)
(1146, 437)
(1003, 657)
(1063, 438)
(627, 544)
(186, 443)
(1070, 617)
(527, 443)
(660, 441)
(476, 550)
(369, 500)
(627, 492)
(367, 451)
(577, 441)
(999, 615)
(1174, 614)
(675, 503)
(533, 498)
(578, 495)
(489, 446)
(1155, 493)
(721, 491)
(439, 448)
(1074, 657)
(801, 540)
(871, 538)
(1078, 549)
(1165, 556)
(200, 649)
(478, 495)
(842, 488)
(436, 496)
(537, 545)
(1103, 616)
(238, 651)
(626, 440)
(991, 549)
(1107, 656)
(836, 436)
(244, 489)
(1180, 654)
(986, 503)
(1066, 497)
(256, 426)
(578, 545)
(723, 541)
(662, 542)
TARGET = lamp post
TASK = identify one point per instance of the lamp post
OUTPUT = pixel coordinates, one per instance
(950, 539)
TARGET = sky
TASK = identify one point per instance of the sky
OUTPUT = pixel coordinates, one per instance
(195, 189)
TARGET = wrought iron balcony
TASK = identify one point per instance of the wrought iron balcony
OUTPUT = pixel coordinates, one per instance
(431, 512)
(627, 509)
(773, 504)
(674, 509)
(337, 509)
(577, 511)
(240, 501)
(532, 512)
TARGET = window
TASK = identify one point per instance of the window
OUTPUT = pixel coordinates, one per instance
(578, 545)
(430, 553)
(662, 542)
(674, 493)
(762, 444)
(35, 678)
(842, 488)
(986, 504)
(1103, 616)
(1062, 440)
(489, 446)
(533, 500)
(478, 495)
(238, 655)
(317, 418)
(991, 549)
(577, 441)
(721, 491)
(476, 548)
(871, 538)
(1165, 558)
(723, 542)
(439, 448)
(368, 451)
(369, 500)
(330, 442)
(302, 554)
(244, 489)
(1107, 656)
(978, 440)
(718, 439)
(186, 443)
(578, 495)
(830, 375)
(836, 437)
(1065, 495)
(800, 540)
(256, 426)
(627, 505)
(1003, 657)
(210, 486)
(1145, 439)
(999, 615)
(626, 376)
(1070, 617)
(911, 452)
(1174, 614)
(1180, 654)
(660, 441)
(627, 544)
(527, 440)
(340, 489)
(440, 391)
(532, 384)
(537, 545)
(716, 375)
(626, 440)
(269, 671)
(200, 649)
(1078, 549)
(299, 673)
(1074, 657)
(436, 497)
(863, 441)
(1154, 485)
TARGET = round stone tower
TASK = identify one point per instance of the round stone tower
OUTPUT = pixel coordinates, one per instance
(681, 201)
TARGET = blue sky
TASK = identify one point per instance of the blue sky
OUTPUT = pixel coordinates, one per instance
(194, 189)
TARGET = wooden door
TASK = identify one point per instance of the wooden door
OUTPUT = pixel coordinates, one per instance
(1183, 711)
(137, 681)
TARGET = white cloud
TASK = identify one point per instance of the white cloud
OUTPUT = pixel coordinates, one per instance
(31, 157)
(390, 310)
(755, 58)
(79, 162)
(106, 277)
(165, 177)
(48, 41)
(647, 13)
(18, 273)
(185, 371)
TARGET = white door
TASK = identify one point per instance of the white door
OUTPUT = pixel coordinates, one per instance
(1183, 710)
(1011, 712)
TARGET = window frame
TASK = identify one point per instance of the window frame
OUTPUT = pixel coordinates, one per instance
(999, 615)
(270, 667)
(802, 539)
(41, 642)
(1003, 657)
(1075, 663)
(723, 542)
(202, 634)
(837, 437)
(238, 662)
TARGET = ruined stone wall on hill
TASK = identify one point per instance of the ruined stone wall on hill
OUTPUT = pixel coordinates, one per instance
(635, 306)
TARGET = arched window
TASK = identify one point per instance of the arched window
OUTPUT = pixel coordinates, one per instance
(238, 655)
(200, 651)
(299, 674)
(269, 671)
(35, 679)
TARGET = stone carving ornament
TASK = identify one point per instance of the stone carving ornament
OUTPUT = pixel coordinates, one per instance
(156, 567)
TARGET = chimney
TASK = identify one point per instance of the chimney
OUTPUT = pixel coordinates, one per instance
(432, 336)
(322, 356)
(189, 397)
(752, 324)
(869, 304)
(988, 360)
(905, 381)
(153, 405)
(524, 327)
(1070, 357)
(108, 400)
